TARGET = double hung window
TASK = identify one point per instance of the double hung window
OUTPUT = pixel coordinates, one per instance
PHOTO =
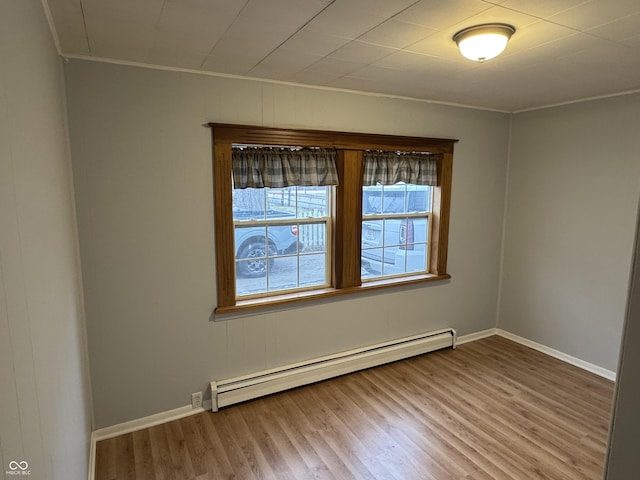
(395, 230)
(310, 214)
(281, 203)
(396, 209)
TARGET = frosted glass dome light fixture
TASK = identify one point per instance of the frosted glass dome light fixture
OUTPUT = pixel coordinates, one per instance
(483, 42)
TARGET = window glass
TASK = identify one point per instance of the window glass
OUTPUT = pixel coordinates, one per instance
(395, 230)
(280, 239)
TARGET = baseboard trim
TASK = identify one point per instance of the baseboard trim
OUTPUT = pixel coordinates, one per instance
(472, 337)
(150, 421)
(590, 367)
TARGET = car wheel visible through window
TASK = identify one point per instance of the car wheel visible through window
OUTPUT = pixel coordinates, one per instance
(255, 253)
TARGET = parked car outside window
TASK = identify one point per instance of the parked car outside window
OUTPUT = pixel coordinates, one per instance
(280, 239)
(395, 229)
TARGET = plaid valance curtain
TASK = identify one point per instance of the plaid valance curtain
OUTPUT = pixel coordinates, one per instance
(388, 168)
(273, 167)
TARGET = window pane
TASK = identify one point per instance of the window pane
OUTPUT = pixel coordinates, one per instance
(284, 239)
(250, 285)
(299, 202)
(274, 254)
(284, 274)
(377, 199)
(281, 202)
(252, 251)
(312, 202)
(395, 245)
(394, 199)
(420, 230)
(372, 260)
(419, 198)
(313, 269)
(248, 204)
(400, 198)
(313, 236)
(371, 200)
(371, 233)
(407, 260)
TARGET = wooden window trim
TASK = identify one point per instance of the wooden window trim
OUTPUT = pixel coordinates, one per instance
(347, 208)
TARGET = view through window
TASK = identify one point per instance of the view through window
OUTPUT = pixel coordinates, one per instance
(395, 229)
(280, 237)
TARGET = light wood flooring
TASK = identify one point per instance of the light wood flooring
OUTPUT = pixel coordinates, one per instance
(491, 409)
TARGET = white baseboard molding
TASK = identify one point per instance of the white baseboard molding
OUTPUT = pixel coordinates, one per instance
(472, 337)
(150, 421)
(590, 367)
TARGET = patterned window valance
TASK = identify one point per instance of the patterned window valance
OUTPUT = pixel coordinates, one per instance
(388, 168)
(275, 167)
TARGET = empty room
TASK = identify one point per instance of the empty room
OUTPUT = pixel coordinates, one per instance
(304, 239)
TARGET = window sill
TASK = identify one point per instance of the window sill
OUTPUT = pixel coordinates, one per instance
(298, 297)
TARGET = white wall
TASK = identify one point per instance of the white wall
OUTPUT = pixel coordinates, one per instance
(574, 180)
(142, 170)
(44, 393)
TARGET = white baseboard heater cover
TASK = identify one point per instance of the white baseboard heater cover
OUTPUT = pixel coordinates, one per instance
(239, 389)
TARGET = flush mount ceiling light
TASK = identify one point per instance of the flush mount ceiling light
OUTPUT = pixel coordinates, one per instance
(483, 42)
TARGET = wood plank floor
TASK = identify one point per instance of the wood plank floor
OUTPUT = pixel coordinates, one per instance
(491, 409)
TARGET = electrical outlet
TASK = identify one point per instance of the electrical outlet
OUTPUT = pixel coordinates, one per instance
(196, 400)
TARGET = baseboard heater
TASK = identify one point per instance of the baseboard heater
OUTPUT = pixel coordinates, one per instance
(239, 389)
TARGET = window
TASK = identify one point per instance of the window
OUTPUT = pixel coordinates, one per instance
(395, 230)
(280, 239)
(281, 201)
(372, 228)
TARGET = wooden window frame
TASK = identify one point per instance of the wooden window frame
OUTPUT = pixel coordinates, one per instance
(347, 209)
